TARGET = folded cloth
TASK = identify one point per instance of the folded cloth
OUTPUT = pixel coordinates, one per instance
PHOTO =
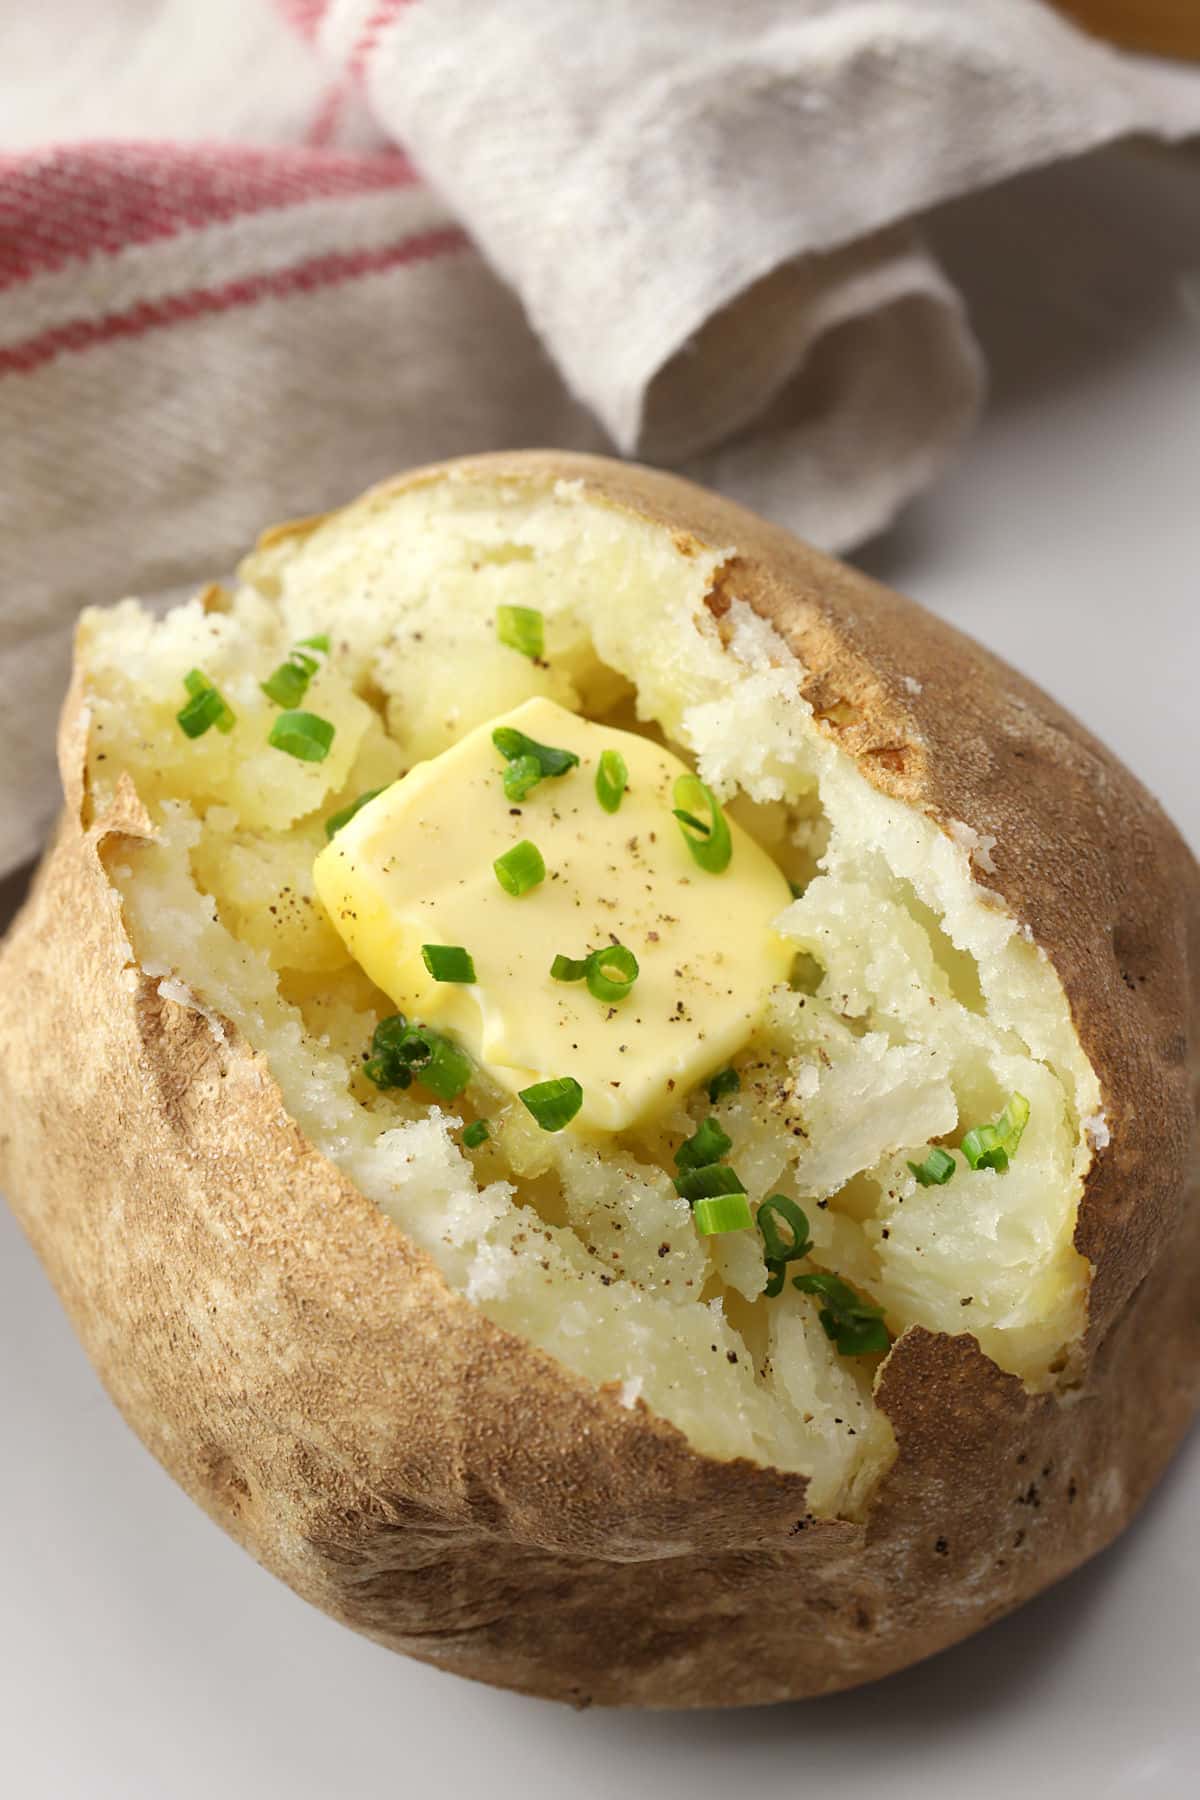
(253, 256)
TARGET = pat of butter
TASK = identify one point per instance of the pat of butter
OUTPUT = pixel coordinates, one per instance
(414, 867)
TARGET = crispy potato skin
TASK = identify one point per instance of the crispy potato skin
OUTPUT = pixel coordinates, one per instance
(443, 1487)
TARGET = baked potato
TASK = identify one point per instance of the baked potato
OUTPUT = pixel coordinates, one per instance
(735, 1318)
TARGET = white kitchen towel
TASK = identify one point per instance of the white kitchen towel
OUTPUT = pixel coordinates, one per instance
(255, 255)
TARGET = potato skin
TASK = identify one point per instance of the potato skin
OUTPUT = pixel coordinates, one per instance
(434, 1482)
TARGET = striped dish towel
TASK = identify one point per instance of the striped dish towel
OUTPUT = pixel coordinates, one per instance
(674, 228)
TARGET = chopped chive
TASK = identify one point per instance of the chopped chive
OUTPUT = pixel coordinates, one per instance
(1014, 1119)
(435, 1061)
(994, 1146)
(288, 684)
(854, 1324)
(725, 1212)
(335, 821)
(304, 735)
(725, 1081)
(936, 1169)
(448, 962)
(707, 1144)
(390, 1033)
(475, 1134)
(536, 760)
(569, 968)
(552, 1103)
(779, 1249)
(401, 1052)
(206, 707)
(386, 1074)
(385, 1066)
(708, 1182)
(447, 1070)
(521, 777)
(984, 1149)
(520, 868)
(710, 845)
(521, 628)
(612, 778)
(610, 973)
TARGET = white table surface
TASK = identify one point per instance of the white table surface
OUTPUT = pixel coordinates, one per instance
(144, 1656)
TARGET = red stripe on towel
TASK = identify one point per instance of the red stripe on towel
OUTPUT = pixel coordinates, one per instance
(78, 201)
(152, 315)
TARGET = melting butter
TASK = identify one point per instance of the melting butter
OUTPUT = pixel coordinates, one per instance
(414, 867)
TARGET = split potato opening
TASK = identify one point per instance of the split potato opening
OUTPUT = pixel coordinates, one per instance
(909, 1009)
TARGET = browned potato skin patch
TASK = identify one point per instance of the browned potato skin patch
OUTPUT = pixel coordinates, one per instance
(438, 1484)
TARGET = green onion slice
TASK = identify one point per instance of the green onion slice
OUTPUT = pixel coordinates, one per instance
(569, 968)
(476, 1133)
(707, 1144)
(994, 1146)
(304, 735)
(401, 1052)
(936, 1169)
(727, 1212)
(206, 707)
(385, 1066)
(520, 868)
(448, 962)
(552, 1103)
(535, 760)
(725, 1081)
(611, 973)
(521, 777)
(521, 628)
(436, 1062)
(612, 778)
(854, 1324)
(708, 1182)
(288, 684)
(780, 1250)
(711, 845)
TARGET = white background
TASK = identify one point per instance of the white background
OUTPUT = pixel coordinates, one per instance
(143, 1656)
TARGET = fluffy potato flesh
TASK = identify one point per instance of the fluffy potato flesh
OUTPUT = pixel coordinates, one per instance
(917, 1005)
